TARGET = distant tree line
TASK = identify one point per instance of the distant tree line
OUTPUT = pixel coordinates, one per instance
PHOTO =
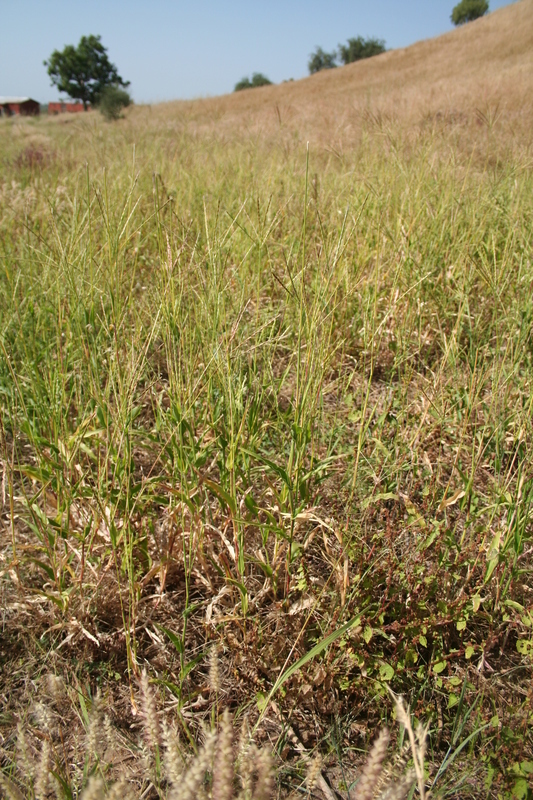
(354, 50)
(358, 48)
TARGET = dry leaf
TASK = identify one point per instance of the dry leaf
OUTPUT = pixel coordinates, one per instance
(451, 501)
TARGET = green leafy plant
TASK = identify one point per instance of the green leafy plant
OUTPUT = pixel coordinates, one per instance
(469, 10)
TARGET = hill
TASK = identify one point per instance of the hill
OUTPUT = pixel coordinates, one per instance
(474, 73)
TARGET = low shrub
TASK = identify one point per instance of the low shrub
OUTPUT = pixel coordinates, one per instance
(112, 101)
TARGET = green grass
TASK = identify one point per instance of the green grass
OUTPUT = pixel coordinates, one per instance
(251, 392)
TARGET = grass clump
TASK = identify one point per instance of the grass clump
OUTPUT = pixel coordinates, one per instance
(274, 401)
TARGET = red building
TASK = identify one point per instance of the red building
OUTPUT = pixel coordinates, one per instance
(19, 106)
(61, 108)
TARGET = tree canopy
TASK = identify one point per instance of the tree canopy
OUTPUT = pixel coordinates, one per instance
(258, 79)
(319, 60)
(83, 72)
(468, 10)
(358, 48)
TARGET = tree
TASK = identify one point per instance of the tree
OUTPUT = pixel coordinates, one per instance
(468, 10)
(320, 60)
(358, 48)
(258, 79)
(112, 100)
(84, 71)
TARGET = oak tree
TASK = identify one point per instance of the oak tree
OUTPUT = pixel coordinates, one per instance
(358, 48)
(83, 72)
(319, 60)
(468, 10)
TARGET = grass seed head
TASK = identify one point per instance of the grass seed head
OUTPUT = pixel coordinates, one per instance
(190, 787)
(150, 720)
(43, 773)
(264, 786)
(373, 767)
(11, 791)
(55, 686)
(399, 788)
(95, 734)
(312, 772)
(172, 758)
(223, 770)
(245, 761)
(43, 717)
(121, 790)
(94, 789)
(214, 671)
(22, 748)
(109, 732)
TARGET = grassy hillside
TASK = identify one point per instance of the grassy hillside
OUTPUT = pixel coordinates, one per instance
(472, 76)
(266, 433)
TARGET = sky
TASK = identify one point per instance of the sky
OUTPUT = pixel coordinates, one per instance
(182, 49)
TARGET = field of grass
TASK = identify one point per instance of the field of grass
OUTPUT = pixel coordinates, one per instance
(266, 433)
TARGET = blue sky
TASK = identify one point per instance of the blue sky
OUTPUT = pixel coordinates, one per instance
(172, 49)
